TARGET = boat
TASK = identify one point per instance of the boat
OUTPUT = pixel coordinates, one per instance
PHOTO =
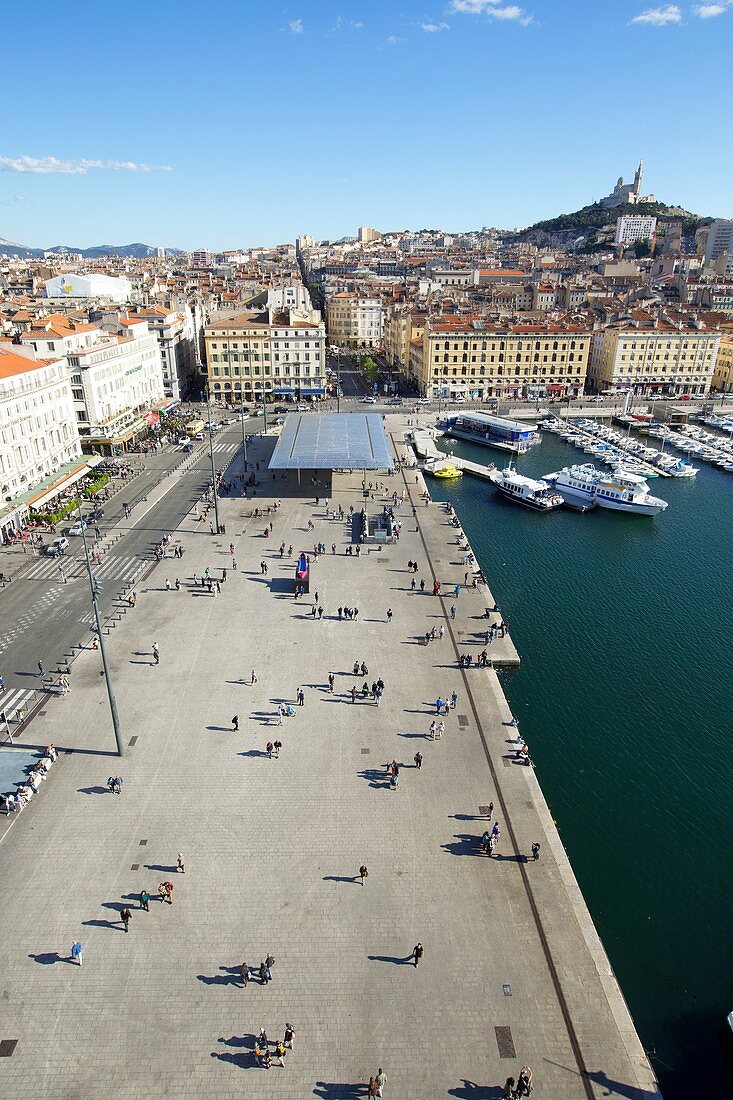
(621, 491)
(446, 471)
(537, 495)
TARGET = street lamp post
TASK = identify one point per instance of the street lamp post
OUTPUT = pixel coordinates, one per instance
(338, 379)
(244, 433)
(94, 586)
(213, 463)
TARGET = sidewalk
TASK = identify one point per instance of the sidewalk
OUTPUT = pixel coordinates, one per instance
(273, 847)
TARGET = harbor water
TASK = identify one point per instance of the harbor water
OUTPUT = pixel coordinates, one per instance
(625, 629)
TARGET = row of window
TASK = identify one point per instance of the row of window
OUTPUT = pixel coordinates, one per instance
(520, 346)
(464, 371)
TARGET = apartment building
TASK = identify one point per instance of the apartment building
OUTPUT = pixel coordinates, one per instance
(631, 228)
(476, 358)
(269, 353)
(115, 371)
(719, 247)
(353, 320)
(175, 334)
(723, 371)
(38, 433)
(402, 325)
(672, 352)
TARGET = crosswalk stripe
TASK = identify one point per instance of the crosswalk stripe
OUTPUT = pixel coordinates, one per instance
(16, 699)
(49, 567)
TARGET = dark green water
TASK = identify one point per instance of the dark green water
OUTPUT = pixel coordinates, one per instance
(625, 628)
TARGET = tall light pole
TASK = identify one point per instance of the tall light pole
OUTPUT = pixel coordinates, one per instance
(338, 379)
(244, 434)
(95, 590)
(211, 449)
(213, 463)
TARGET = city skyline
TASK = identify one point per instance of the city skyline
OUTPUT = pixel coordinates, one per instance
(266, 124)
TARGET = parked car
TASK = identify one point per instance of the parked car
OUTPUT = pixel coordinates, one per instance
(78, 527)
(369, 401)
(95, 514)
(57, 547)
(458, 401)
(283, 409)
(199, 436)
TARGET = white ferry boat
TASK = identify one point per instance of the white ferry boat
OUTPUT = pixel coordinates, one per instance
(525, 490)
(584, 486)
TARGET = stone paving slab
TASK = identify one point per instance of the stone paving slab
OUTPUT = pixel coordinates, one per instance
(272, 849)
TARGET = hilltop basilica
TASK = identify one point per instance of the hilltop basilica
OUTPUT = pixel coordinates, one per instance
(630, 193)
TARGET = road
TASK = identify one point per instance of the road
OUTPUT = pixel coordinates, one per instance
(44, 616)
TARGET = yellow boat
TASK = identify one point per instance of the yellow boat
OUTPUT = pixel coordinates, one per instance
(447, 472)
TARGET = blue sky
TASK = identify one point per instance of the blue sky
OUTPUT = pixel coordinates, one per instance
(237, 122)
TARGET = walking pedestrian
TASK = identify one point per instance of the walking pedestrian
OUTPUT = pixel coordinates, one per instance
(269, 749)
(389, 614)
(417, 952)
(145, 900)
(381, 1080)
(363, 873)
(125, 916)
(263, 974)
(280, 1052)
(235, 722)
(41, 669)
(452, 611)
(253, 677)
(490, 810)
(76, 952)
(509, 1089)
(432, 730)
(289, 1036)
(156, 653)
(269, 963)
(453, 700)
(331, 680)
(418, 759)
(371, 1088)
(301, 697)
(277, 745)
(535, 850)
(524, 1083)
(181, 864)
(244, 972)
(167, 584)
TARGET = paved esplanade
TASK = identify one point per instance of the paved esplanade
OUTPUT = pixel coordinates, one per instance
(273, 847)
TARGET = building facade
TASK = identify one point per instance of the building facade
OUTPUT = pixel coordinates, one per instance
(354, 321)
(655, 356)
(38, 432)
(723, 372)
(477, 359)
(631, 228)
(177, 345)
(719, 247)
(270, 354)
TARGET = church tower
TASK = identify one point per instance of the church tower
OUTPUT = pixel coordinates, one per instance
(638, 178)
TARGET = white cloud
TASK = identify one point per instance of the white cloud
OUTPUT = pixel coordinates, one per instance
(43, 166)
(356, 25)
(492, 8)
(709, 11)
(295, 26)
(393, 40)
(659, 17)
(433, 28)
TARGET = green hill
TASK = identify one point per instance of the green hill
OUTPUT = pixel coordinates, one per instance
(584, 222)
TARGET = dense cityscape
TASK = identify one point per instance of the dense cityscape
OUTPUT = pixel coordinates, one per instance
(366, 441)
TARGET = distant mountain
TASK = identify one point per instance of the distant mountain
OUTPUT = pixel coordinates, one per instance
(135, 251)
(566, 229)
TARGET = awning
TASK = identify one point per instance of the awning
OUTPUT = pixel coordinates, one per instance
(43, 495)
(306, 390)
(283, 389)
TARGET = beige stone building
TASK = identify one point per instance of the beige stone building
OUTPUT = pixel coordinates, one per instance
(271, 354)
(723, 372)
(670, 353)
(474, 358)
(353, 320)
(401, 326)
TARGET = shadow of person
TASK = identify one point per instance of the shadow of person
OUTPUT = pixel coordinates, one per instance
(48, 958)
(397, 960)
